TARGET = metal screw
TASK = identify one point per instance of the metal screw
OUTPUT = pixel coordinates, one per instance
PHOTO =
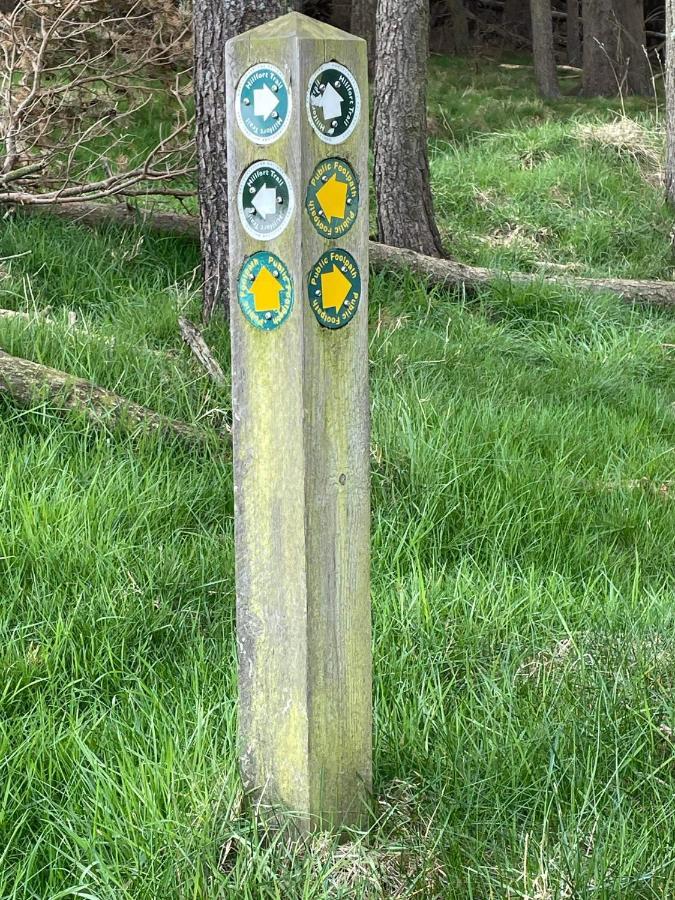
(334, 123)
(275, 88)
(247, 102)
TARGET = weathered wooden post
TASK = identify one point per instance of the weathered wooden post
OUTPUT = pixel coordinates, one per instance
(297, 104)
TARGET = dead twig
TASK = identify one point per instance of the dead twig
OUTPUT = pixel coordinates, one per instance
(200, 350)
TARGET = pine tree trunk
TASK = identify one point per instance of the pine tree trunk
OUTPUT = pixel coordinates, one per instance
(364, 14)
(542, 47)
(670, 102)
(214, 23)
(405, 212)
(613, 53)
(633, 42)
(573, 33)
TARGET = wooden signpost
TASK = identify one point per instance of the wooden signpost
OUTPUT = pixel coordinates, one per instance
(297, 104)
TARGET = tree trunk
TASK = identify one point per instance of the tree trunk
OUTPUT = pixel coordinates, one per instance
(573, 33)
(449, 31)
(670, 102)
(542, 47)
(364, 24)
(613, 52)
(214, 23)
(405, 216)
(516, 18)
(633, 47)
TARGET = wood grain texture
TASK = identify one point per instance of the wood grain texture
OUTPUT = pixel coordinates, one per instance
(301, 457)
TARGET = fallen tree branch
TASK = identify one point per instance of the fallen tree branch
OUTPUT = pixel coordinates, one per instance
(96, 215)
(445, 272)
(27, 383)
(200, 350)
(442, 272)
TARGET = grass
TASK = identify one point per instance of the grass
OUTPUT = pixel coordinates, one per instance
(523, 545)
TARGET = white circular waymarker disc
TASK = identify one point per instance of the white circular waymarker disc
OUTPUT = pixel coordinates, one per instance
(333, 102)
(263, 103)
(265, 200)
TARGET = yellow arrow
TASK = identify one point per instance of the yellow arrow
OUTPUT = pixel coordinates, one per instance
(334, 289)
(333, 198)
(266, 290)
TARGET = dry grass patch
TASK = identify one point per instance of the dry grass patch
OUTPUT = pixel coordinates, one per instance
(626, 136)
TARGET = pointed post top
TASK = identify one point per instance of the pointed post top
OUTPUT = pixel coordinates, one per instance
(295, 24)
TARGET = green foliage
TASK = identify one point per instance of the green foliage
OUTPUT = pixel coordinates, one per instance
(523, 538)
(523, 184)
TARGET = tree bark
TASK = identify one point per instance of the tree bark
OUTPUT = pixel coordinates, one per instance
(543, 50)
(634, 47)
(449, 31)
(214, 23)
(405, 216)
(573, 33)
(670, 102)
(613, 52)
(364, 15)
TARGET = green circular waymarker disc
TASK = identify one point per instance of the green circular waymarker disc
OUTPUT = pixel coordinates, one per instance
(334, 286)
(263, 103)
(265, 290)
(265, 200)
(333, 102)
(332, 201)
